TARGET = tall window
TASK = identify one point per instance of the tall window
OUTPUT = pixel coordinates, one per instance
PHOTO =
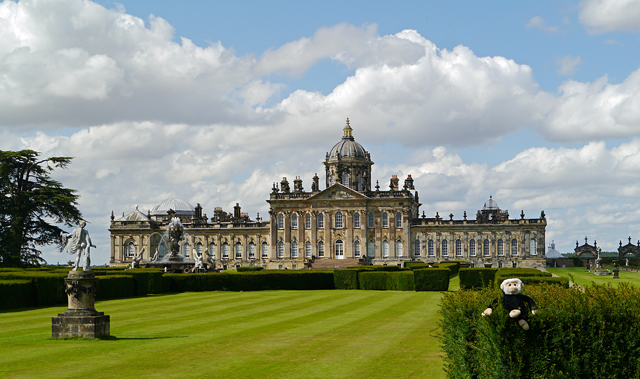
(458, 248)
(339, 248)
(399, 249)
(225, 251)
(307, 249)
(307, 221)
(385, 249)
(371, 249)
(416, 248)
(356, 249)
(445, 248)
(320, 221)
(360, 183)
(199, 248)
(252, 250)
(131, 250)
(185, 249)
(356, 220)
(431, 248)
(514, 247)
(500, 248)
(485, 248)
(370, 223)
(280, 249)
(338, 221)
(294, 249)
(238, 251)
(212, 250)
(398, 220)
(345, 179)
(321, 249)
(385, 220)
(472, 248)
(280, 221)
(534, 245)
(294, 221)
(265, 250)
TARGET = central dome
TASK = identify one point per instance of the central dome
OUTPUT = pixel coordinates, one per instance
(179, 206)
(347, 148)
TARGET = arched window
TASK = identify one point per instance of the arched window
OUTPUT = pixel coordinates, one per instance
(385, 220)
(265, 250)
(399, 249)
(458, 248)
(371, 249)
(370, 223)
(339, 249)
(294, 221)
(385, 249)
(320, 221)
(280, 249)
(472, 248)
(294, 249)
(534, 247)
(131, 250)
(225, 251)
(356, 220)
(252, 250)
(356, 249)
(500, 248)
(186, 248)
(307, 221)
(485, 248)
(238, 251)
(332, 180)
(321, 249)
(212, 250)
(345, 179)
(199, 248)
(307, 249)
(445, 248)
(360, 183)
(431, 251)
(416, 248)
(338, 220)
(514, 247)
(280, 221)
(398, 220)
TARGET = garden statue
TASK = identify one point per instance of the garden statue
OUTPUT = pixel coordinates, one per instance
(199, 266)
(517, 304)
(78, 242)
(627, 262)
(136, 260)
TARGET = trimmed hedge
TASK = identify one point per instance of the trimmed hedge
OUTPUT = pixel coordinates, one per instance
(246, 269)
(115, 287)
(415, 265)
(346, 279)
(476, 278)
(393, 281)
(575, 334)
(17, 293)
(431, 279)
(48, 288)
(249, 281)
(375, 268)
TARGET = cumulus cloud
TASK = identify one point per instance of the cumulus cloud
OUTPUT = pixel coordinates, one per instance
(568, 65)
(601, 16)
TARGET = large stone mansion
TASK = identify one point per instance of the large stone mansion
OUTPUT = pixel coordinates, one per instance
(349, 219)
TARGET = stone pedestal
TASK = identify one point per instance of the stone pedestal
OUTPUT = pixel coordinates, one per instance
(81, 318)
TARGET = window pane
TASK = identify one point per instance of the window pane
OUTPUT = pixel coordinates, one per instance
(416, 248)
(472, 248)
(356, 249)
(399, 249)
(252, 250)
(385, 220)
(500, 248)
(431, 248)
(280, 249)
(356, 220)
(280, 221)
(238, 251)
(338, 220)
(371, 249)
(385, 249)
(212, 251)
(485, 248)
(370, 223)
(307, 221)
(294, 221)
(225, 251)
(320, 221)
(307, 249)
(458, 248)
(398, 220)
(534, 250)
(294, 249)
(320, 249)
(445, 248)
(514, 247)
(265, 250)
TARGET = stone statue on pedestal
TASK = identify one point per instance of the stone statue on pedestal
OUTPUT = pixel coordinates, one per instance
(79, 243)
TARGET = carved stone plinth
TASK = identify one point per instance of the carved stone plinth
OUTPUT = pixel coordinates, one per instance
(81, 318)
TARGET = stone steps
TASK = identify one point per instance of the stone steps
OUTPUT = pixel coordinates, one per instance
(331, 264)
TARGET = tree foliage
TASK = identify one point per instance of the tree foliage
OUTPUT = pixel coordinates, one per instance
(31, 202)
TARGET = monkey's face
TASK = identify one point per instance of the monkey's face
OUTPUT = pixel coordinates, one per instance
(511, 286)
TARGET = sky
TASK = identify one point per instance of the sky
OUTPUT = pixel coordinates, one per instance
(534, 103)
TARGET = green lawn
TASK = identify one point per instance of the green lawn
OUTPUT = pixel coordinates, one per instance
(266, 334)
(584, 278)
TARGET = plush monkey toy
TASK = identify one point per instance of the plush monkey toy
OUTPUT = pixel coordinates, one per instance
(514, 302)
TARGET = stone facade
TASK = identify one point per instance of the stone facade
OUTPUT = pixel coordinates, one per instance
(348, 219)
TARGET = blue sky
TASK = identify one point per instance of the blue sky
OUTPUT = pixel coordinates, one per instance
(535, 103)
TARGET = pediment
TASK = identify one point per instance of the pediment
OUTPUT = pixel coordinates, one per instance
(338, 192)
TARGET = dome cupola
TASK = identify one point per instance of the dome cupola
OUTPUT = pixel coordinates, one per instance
(348, 163)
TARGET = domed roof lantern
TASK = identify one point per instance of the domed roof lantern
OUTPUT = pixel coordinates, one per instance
(348, 132)
(490, 205)
(348, 148)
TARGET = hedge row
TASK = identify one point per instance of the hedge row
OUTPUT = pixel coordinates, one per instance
(476, 278)
(249, 281)
(115, 287)
(431, 279)
(575, 334)
(245, 269)
(47, 287)
(17, 293)
(381, 280)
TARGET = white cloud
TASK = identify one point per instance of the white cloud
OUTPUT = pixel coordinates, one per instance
(568, 65)
(538, 22)
(601, 16)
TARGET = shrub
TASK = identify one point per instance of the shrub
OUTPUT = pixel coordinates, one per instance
(393, 281)
(245, 269)
(431, 279)
(48, 287)
(346, 279)
(416, 265)
(375, 268)
(577, 262)
(590, 334)
(115, 287)
(17, 293)
(475, 278)
(452, 266)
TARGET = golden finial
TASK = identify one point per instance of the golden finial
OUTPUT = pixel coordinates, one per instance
(347, 130)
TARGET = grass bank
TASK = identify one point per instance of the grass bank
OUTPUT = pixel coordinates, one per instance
(584, 278)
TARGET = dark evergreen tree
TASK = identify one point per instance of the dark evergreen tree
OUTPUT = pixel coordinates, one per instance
(31, 202)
